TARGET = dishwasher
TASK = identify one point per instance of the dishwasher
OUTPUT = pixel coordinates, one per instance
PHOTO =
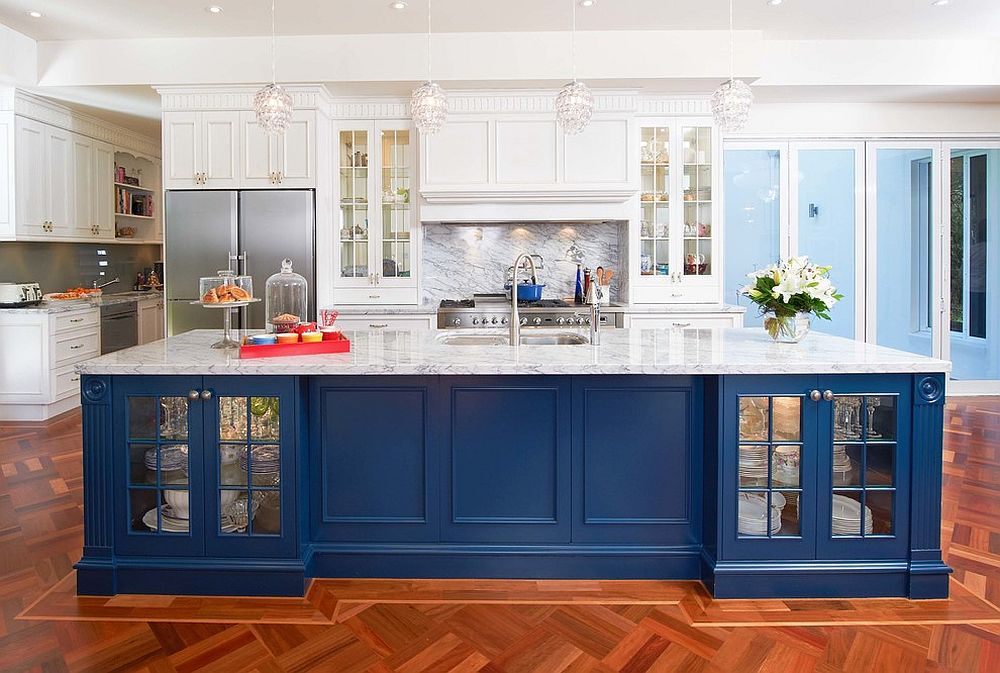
(119, 327)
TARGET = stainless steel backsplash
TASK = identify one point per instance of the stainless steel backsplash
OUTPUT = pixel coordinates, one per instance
(57, 266)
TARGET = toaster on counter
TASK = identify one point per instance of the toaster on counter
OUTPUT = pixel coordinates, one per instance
(16, 295)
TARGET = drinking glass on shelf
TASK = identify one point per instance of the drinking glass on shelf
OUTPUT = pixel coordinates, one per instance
(872, 403)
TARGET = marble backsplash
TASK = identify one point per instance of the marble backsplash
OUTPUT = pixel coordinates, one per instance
(459, 260)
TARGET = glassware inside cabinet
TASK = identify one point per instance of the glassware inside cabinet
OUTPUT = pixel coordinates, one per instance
(864, 463)
(396, 212)
(769, 467)
(654, 231)
(159, 464)
(354, 203)
(249, 464)
(697, 193)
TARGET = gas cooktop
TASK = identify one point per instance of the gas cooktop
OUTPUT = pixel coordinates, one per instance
(493, 310)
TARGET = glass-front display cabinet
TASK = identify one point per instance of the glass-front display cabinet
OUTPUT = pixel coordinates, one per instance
(678, 246)
(208, 469)
(375, 250)
(814, 468)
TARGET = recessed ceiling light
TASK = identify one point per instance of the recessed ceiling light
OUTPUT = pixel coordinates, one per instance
(940, 3)
(588, 3)
(35, 15)
(214, 9)
(397, 4)
(774, 3)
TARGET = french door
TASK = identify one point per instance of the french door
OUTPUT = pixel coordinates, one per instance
(798, 198)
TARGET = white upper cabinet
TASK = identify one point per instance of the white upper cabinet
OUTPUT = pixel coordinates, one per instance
(182, 150)
(103, 202)
(59, 179)
(285, 161)
(514, 157)
(675, 249)
(31, 191)
(201, 150)
(7, 142)
(83, 186)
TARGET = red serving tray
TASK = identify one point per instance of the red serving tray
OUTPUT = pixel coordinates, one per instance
(337, 345)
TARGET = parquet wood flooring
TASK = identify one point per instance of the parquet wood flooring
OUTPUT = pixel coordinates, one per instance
(440, 626)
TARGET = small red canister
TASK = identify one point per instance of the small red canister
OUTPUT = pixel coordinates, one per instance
(329, 333)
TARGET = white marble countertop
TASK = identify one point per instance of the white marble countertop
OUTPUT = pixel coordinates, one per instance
(430, 309)
(622, 351)
(103, 300)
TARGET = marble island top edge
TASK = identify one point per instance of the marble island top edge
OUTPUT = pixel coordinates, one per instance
(622, 351)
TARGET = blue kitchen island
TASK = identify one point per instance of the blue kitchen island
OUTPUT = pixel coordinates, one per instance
(762, 469)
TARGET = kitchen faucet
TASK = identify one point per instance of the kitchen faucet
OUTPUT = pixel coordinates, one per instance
(515, 318)
(110, 282)
(595, 316)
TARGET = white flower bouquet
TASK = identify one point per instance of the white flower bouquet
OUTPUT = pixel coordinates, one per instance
(788, 293)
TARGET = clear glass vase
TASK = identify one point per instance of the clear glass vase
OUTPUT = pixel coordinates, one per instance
(787, 329)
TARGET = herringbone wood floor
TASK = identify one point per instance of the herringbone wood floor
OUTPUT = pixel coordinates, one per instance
(491, 627)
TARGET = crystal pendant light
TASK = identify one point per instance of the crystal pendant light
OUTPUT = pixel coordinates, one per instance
(272, 103)
(732, 100)
(429, 102)
(574, 103)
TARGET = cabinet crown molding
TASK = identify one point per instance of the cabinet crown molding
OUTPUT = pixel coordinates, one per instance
(192, 99)
(49, 112)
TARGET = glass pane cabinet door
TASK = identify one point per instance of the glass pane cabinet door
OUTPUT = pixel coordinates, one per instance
(866, 501)
(396, 160)
(251, 449)
(654, 227)
(769, 469)
(249, 456)
(696, 183)
(354, 234)
(161, 511)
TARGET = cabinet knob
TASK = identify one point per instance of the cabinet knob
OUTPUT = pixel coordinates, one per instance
(815, 395)
(206, 394)
(192, 395)
(828, 395)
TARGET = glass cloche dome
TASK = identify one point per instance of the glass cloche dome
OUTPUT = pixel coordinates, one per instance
(286, 302)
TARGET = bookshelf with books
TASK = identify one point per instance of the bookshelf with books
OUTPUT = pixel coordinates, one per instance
(137, 190)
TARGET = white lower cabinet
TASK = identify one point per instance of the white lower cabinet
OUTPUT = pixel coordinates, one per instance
(386, 322)
(38, 353)
(151, 320)
(699, 320)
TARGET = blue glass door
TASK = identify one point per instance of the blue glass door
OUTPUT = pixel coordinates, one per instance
(902, 296)
(827, 209)
(753, 214)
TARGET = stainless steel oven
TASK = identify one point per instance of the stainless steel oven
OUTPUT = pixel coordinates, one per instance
(119, 327)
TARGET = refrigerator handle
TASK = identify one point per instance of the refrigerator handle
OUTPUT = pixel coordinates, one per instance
(238, 259)
(246, 263)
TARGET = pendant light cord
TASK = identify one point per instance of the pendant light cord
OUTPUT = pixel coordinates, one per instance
(573, 41)
(274, 49)
(732, 49)
(430, 79)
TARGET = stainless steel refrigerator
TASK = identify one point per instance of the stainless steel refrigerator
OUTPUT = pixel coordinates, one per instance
(252, 230)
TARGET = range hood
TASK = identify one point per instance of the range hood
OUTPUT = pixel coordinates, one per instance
(491, 212)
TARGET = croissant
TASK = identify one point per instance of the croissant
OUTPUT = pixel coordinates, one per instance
(238, 293)
(211, 297)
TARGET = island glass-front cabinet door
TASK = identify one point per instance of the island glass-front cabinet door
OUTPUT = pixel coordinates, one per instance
(205, 466)
(678, 241)
(804, 456)
(375, 256)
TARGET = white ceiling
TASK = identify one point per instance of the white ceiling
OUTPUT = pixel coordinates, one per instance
(793, 19)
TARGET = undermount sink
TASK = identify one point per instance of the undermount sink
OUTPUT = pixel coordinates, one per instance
(541, 339)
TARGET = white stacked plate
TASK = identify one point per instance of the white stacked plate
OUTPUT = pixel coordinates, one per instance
(753, 462)
(846, 516)
(266, 459)
(753, 518)
(171, 458)
(171, 523)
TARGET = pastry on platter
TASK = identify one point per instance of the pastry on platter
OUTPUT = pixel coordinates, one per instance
(210, 297)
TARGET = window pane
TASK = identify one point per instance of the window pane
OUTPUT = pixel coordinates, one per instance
(787, 411)
(957, 244)
(754, 422)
